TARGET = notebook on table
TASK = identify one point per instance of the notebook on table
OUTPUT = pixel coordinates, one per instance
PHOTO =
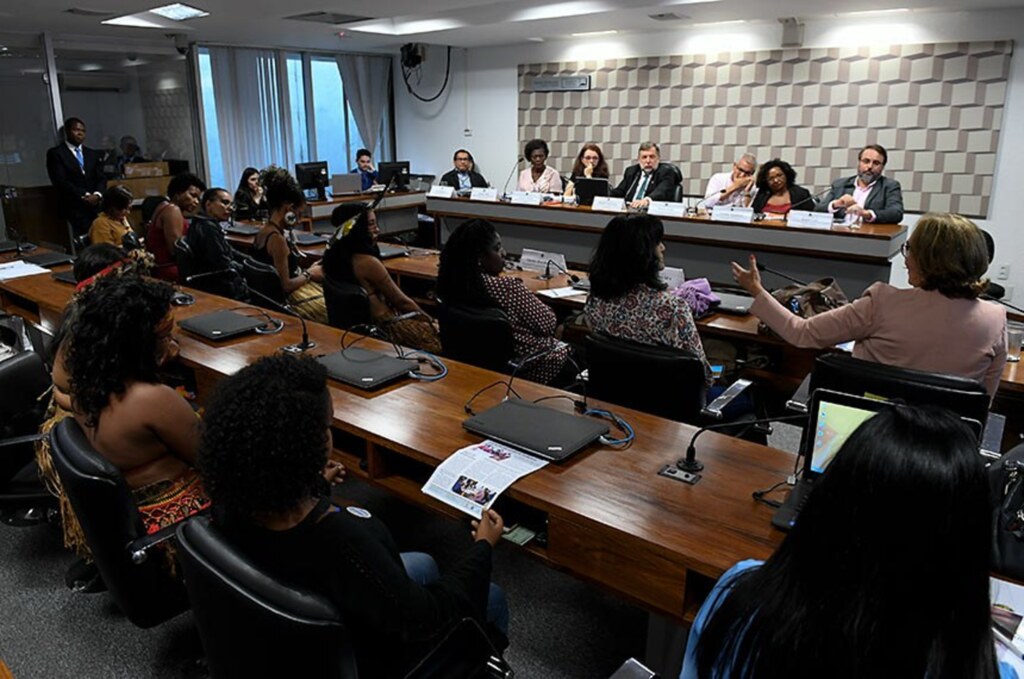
(536, 429)
(222, 325)
(365, 368)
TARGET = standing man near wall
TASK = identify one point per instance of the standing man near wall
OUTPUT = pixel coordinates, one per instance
(868, 193)
(77, 174)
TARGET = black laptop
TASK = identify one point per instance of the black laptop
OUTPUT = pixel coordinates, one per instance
(244, 229)
(536, 429)
(733, 304)
(588, 187)
(308, 238)
(365, 368)
(222, 325)
(48, 259)
(65, 277)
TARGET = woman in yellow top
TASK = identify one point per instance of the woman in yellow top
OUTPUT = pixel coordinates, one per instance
(112, 224)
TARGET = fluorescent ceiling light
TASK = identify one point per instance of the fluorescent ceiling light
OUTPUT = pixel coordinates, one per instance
(142, 20)
(179, 12)
(722, 23)
(391, 27)
(898, 10)
(590, 34)
(560, 10)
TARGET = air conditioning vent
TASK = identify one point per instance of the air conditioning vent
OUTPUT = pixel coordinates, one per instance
(94, 82)
(668, 16)
(329, 18)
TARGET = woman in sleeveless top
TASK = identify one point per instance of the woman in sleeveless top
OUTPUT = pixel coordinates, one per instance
(168, 223)
(778, 192)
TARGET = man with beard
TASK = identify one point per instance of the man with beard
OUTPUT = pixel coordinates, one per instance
(868, 193)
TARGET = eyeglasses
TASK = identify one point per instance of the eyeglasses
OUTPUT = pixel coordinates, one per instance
(904, 248)
(743, 172)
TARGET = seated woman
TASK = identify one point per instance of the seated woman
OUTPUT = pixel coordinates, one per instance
(627, 296)
(120, 338)
(539, 177)
(301, 286)
(168, 223)
(937, 325)
(470, 275)
(355, 258)
(861, 586)
(778, 192)
(250, 199)
(112, 225)
(279, 513)
(590, 163)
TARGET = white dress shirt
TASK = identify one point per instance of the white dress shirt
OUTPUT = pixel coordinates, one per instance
(718, 183)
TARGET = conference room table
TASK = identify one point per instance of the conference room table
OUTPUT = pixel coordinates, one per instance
(398, 211)
(701, 247)
(610, 519)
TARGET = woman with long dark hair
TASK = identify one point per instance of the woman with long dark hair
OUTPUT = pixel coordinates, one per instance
(354, 257)
(301, 287)
(628, 299)
(250, 197)
(590, 163)
(271, 496)
(470, 275)
(885, 574)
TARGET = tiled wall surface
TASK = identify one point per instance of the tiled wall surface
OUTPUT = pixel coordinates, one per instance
(937, 108)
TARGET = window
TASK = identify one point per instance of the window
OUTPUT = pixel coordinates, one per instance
(214, 161)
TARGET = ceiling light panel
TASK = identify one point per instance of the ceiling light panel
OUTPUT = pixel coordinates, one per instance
(179, 12)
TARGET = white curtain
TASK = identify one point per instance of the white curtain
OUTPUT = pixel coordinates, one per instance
(365, 80)
(253, 108)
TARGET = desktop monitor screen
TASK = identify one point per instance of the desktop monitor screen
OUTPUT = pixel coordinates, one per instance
(399, 170)
(312, 176)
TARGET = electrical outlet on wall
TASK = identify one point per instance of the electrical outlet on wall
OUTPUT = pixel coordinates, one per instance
(467, 132)
(1003, 272)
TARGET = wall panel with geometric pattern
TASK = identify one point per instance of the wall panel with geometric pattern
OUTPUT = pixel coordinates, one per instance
(937, 109)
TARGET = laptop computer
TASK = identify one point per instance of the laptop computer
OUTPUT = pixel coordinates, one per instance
(221, 325)
(833, 417)
(588, 187)
(582, 284)
(244, 229)
(307, 238)
(736, 305)
(365, 368)
(349, 183)
(65, 277)
(536, 429)
(391, 251)
(48, 259)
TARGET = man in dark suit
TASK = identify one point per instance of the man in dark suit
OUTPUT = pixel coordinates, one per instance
(874, 197)
(463, 177)
(77, 174)
(648, 180)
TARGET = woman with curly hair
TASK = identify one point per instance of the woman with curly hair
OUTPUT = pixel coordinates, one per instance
(937, 325)
(354, 257)
(121, 336)
(270, 497)
(169, 222)
(778, 192)
(302, 287)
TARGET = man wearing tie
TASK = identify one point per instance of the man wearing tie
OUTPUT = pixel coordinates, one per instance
(648, 180)
(77, 174)
(463, 177)
(868, 194)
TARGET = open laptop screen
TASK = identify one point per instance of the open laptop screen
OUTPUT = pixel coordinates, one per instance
(832, 426)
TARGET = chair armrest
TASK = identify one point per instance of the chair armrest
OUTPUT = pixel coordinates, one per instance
(800, 401)
(18, 440)
(633, 669)
(139, 547)
(715, 408)
(464, 650)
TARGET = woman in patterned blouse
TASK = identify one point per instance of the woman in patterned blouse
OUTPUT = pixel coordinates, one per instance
(470, 275)
(627, 297)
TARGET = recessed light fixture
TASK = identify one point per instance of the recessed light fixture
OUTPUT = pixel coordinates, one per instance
(897, 10)
(179, 12)
(141, 20)
(535, 39)
(722, 23)
(590, 34)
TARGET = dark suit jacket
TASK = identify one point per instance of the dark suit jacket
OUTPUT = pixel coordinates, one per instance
(799, 198)
(885, 199)
(71, 181)
(451, 178)
(661, 187)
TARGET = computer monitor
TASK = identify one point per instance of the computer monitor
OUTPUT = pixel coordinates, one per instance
(313, 176)
(399, 170)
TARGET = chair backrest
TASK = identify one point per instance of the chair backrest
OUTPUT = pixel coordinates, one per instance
(479, 336)
(347, 303)
(110, 521)
(251, 624)
(262, 278)
(185, 258)
(848, 375)
(24, 380)
(659, 380)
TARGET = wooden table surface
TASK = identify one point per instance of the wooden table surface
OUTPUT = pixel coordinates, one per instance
(610, 518)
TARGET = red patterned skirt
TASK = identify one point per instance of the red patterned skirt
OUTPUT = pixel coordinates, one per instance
(165, 502)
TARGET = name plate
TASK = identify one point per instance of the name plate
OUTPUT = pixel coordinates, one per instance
(660, 208)
(732, 213)
(441, 191)
(488, 194)
(527, 198)
(608, 204)
(537, 260)
(809, 220)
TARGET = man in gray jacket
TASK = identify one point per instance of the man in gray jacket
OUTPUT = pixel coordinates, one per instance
(867, 193)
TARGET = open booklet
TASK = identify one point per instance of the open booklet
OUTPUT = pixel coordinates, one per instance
(473, 477)
(1007, 616)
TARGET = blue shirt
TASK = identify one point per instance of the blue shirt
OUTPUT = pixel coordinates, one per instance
(369, 178)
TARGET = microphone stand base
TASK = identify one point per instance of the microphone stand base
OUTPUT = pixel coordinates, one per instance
(299, 348)
(691, 466)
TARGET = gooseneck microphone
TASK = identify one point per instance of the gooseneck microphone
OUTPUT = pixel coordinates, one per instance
(762, 267)
(814, 197)
(511, 174)
(547, 275)
(692, 465)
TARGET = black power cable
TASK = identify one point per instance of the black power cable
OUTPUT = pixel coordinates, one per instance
(447, 72)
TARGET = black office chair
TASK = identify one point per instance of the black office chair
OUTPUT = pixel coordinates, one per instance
(663, 381)
(994, 291)
(678, 195)
(254, 625)
(479, 336)
(137, 579)
(347, 303)
(262, 278)
(24, 382)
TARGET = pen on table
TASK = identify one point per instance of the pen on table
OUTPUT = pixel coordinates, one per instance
(1005, 640)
